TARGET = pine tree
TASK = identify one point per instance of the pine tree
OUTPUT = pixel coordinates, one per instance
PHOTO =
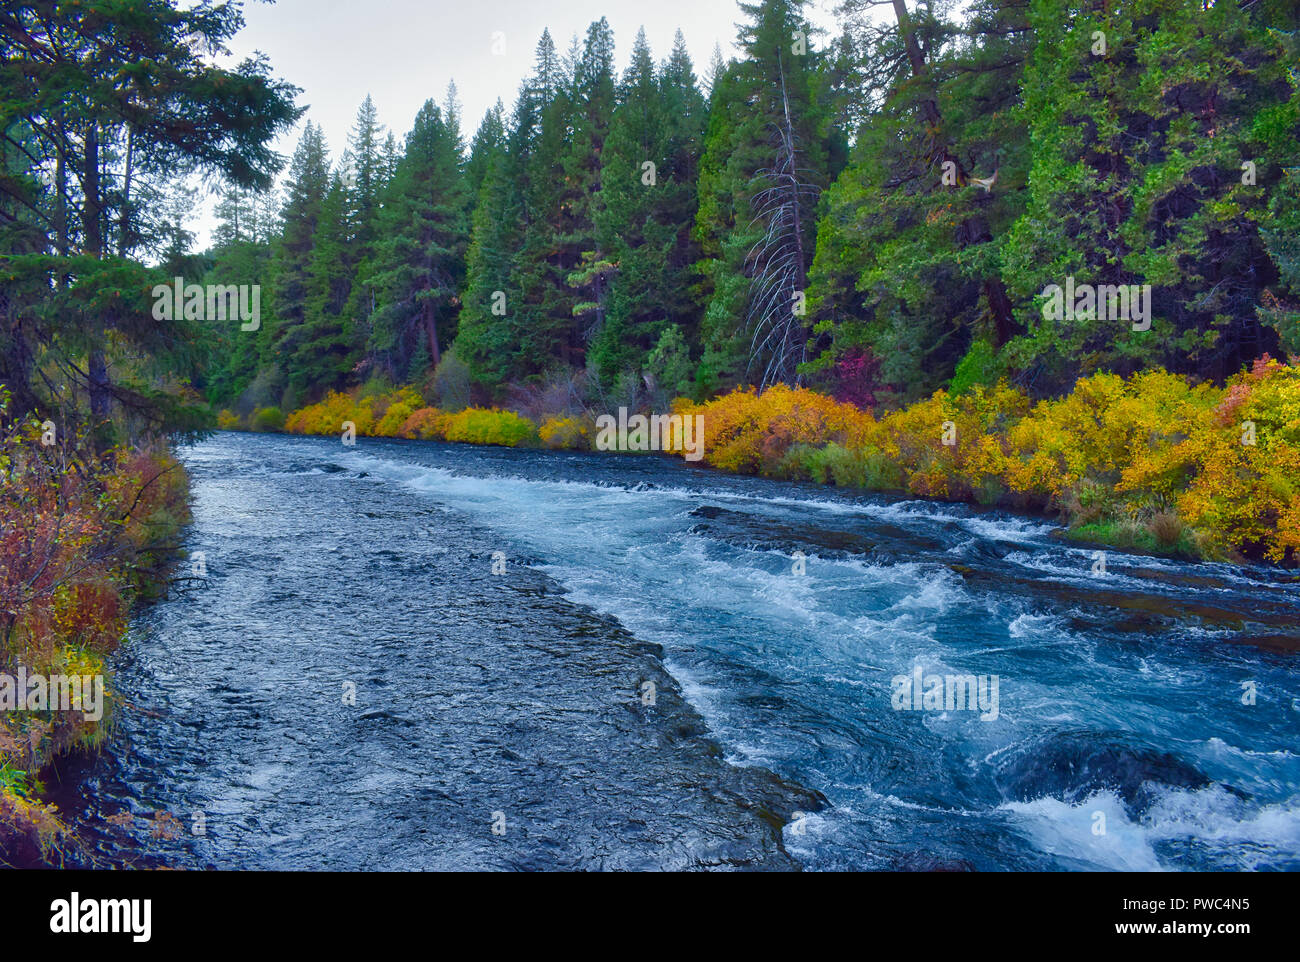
(234, 212)
(419, 265)
(327, 348)
(488, 144)
(488, 339)
(101, 97)
(908, 250)
(517, 314)
(365, 145)
(646, 207)
(308, 183)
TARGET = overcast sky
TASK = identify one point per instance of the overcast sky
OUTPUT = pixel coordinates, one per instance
(402, 52)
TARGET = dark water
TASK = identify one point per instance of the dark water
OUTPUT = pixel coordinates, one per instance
(1120, 739)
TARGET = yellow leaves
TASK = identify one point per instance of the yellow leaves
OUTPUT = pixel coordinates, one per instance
(1147, 442)
(750, 433)
(402, 414)
(566, 432)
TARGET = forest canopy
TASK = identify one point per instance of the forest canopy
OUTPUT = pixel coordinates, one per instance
(873, 214)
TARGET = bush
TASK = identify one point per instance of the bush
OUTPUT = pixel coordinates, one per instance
(426, 424)
(751, 433)
(568, 433)
(77, 546)
(395, 410)
(1150, 462)
(267, 419)
(490, 426)
(328, 416)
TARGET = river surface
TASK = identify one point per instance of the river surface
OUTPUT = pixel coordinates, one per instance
(408, 655)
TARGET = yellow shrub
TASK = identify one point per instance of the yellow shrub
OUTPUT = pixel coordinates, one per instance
(328, 415)
(751, 433)
(390, 425)
(489, 426)
(568, 432)
(1150, 450)
(1246, 496)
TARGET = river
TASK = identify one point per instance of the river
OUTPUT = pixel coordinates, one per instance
(408, 655)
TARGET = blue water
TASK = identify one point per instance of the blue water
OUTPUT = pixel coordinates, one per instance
(1121, 740)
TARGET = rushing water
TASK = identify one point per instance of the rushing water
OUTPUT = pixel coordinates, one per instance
(1124, 736)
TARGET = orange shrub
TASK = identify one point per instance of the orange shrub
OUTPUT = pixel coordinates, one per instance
(426, 424)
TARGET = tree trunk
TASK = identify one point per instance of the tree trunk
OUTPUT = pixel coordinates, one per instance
(124, 216)
(431, 330)
(92, 226)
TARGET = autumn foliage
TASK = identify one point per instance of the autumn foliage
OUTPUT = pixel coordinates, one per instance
(80, 539)
(403, 414)
(1149, 462)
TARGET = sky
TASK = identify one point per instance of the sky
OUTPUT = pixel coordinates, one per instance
(404, 52)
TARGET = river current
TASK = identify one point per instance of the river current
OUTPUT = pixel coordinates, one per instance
(408, 655)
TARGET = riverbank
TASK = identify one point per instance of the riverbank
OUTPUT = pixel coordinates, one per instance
(1151, 463)
(86, 539)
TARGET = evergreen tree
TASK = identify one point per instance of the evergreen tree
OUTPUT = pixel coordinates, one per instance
(419, 265)
(487, 339)
(646, 207)
(908, 263)
(308, 183)
(1159, 133)
(488, 145)
(102, 98)
(328, 348)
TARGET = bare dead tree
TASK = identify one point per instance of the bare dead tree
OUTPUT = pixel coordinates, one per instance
(780, 257)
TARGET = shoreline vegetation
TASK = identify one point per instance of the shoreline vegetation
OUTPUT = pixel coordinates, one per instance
(1151, 463)
(85, 538)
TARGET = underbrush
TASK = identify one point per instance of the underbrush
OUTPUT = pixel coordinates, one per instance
(1149, 463)
(82, 538)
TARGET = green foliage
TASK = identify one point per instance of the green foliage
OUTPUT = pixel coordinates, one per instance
(978, 367)
(754, 104)
(909, 248)
(1136, 171)
(993, 152)
(267, 419)
(418, 268)
(647, 194)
